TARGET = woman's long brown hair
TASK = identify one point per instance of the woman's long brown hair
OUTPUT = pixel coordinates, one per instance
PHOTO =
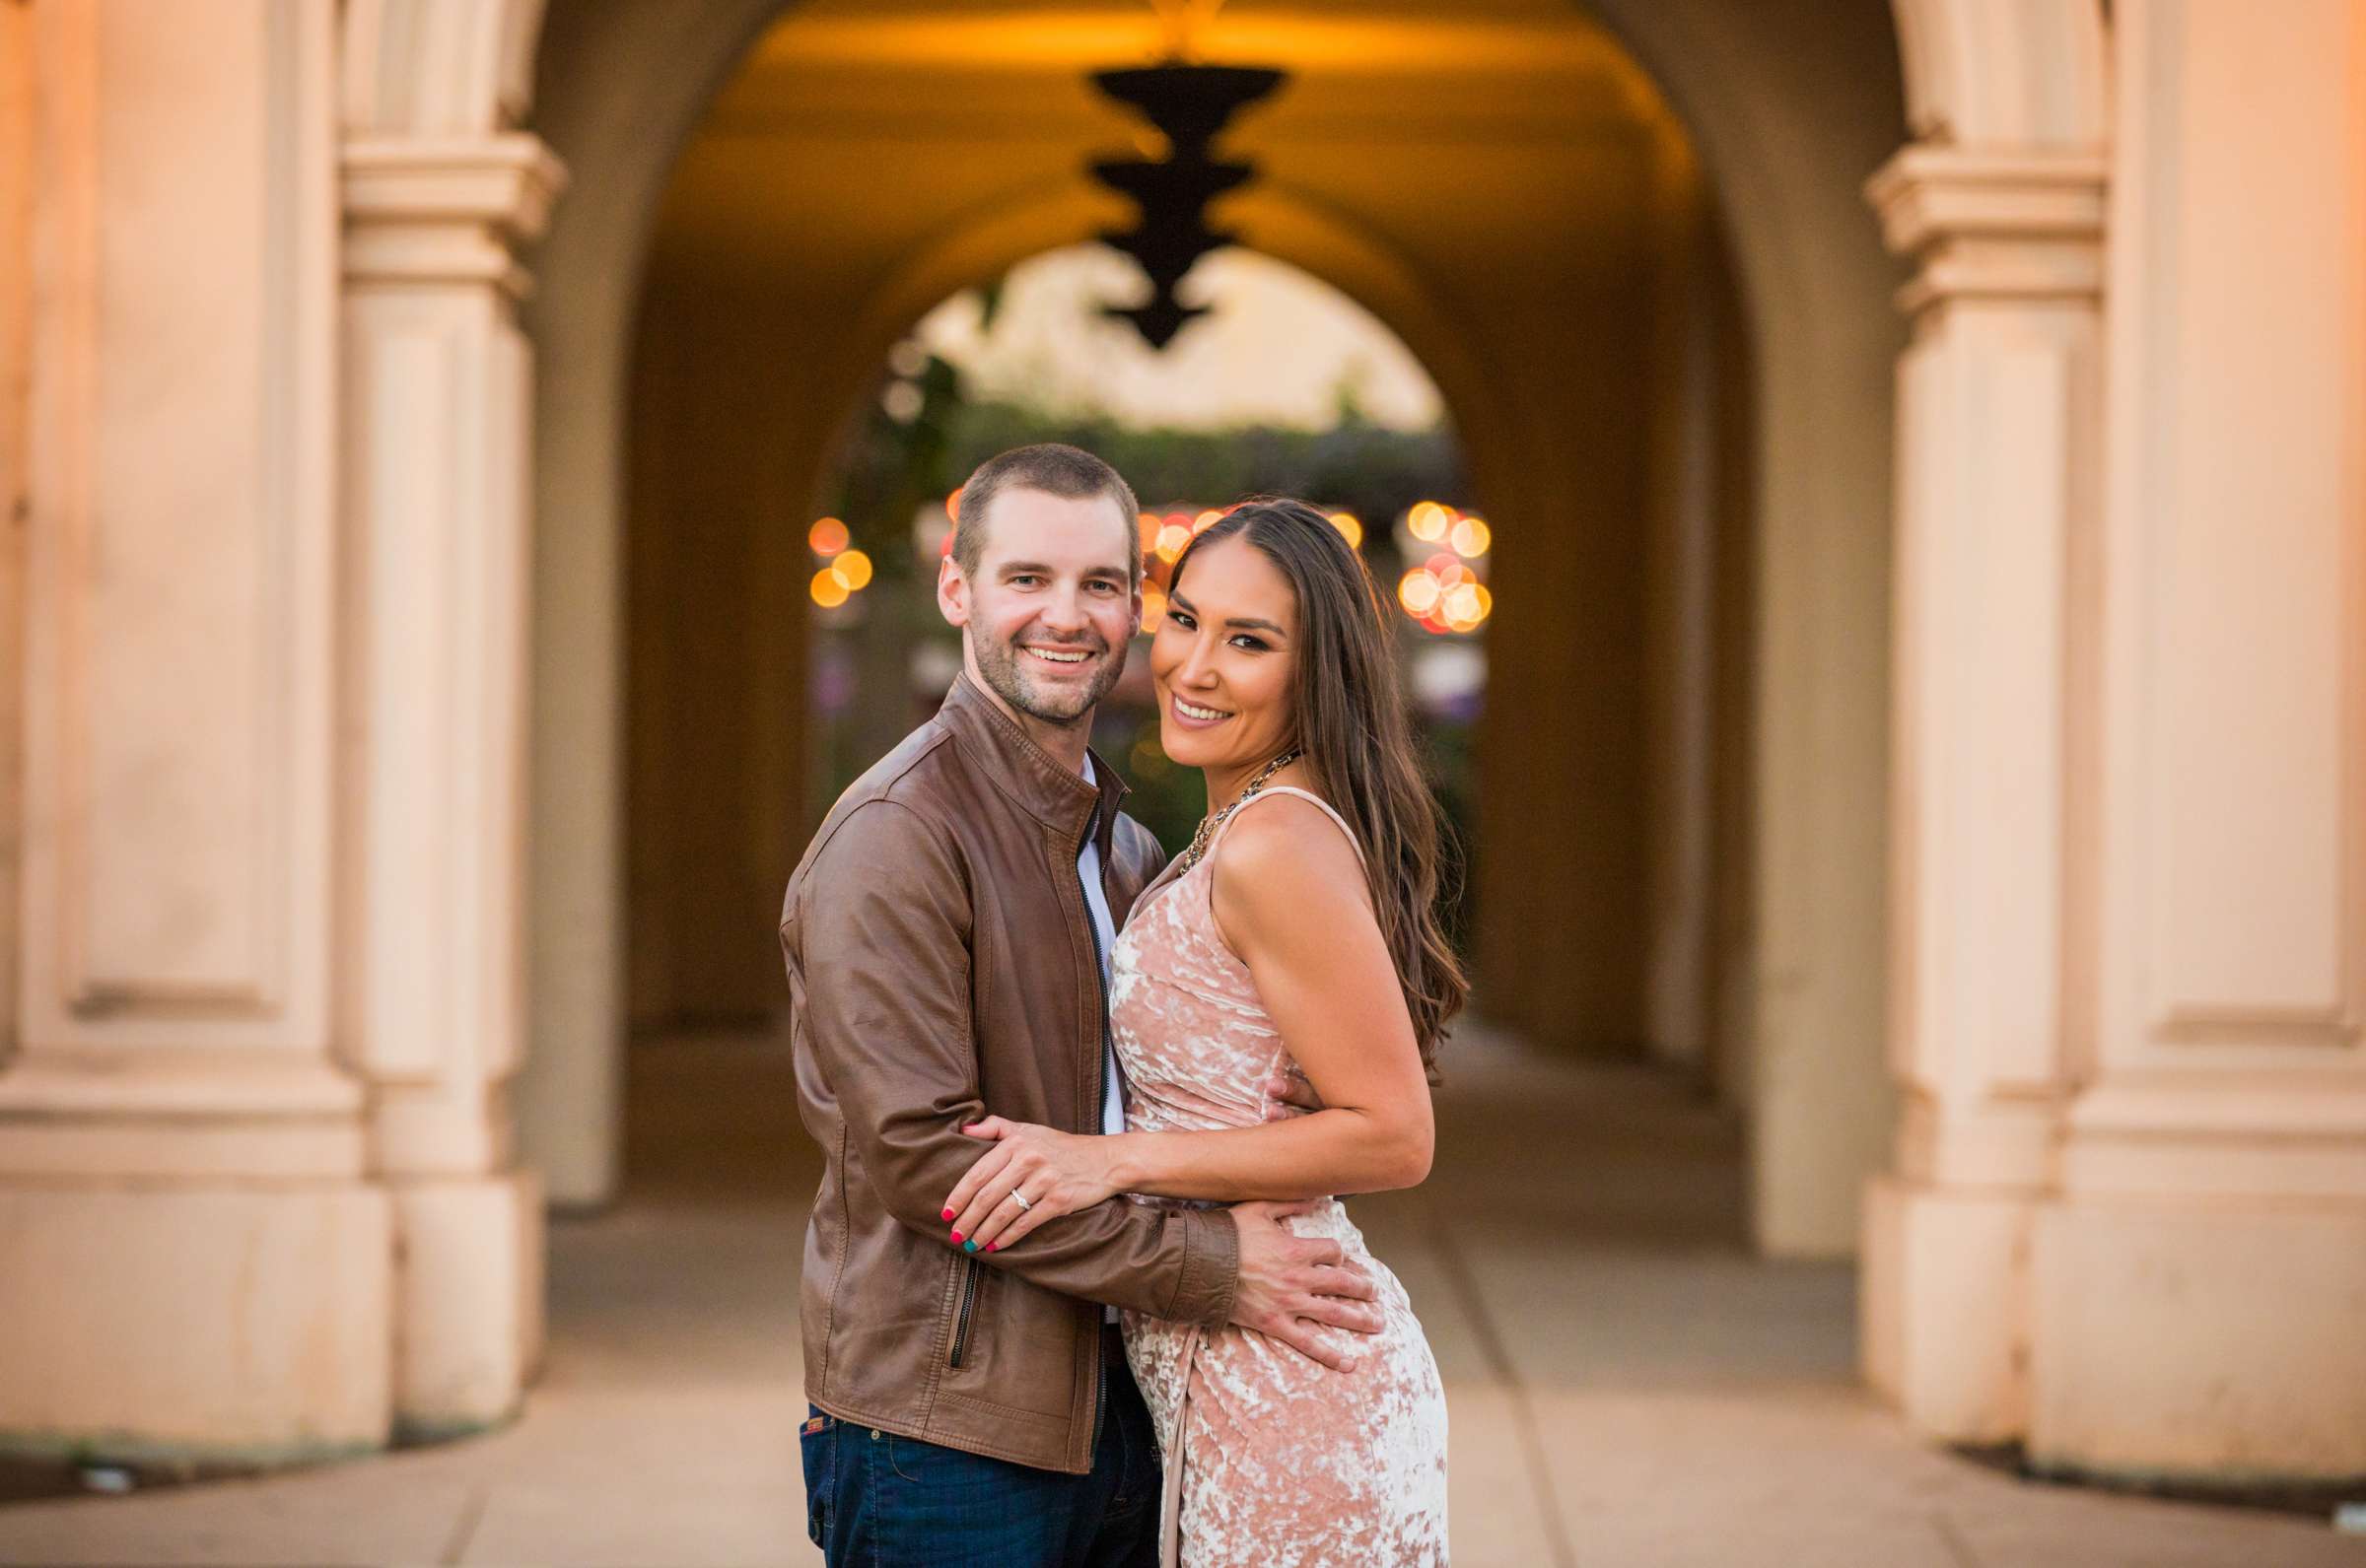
(1348, 714)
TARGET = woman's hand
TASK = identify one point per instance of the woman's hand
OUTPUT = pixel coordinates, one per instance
(1059, 1173)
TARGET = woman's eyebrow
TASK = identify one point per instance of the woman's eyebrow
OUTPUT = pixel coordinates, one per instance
(1249, 622)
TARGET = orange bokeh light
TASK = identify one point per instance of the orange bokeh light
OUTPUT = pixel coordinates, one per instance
(827, 537)
(1418, 591)
(1427, 521)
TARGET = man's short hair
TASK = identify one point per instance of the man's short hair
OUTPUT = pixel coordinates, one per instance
(1069, 472)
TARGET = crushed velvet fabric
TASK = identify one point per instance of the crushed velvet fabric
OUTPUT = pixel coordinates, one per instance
(1270, 1458)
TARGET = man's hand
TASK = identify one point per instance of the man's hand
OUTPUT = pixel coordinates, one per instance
(1288, 1094)
(1292, 1287)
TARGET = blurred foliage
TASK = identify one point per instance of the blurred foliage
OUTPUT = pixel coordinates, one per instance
(1368, 469)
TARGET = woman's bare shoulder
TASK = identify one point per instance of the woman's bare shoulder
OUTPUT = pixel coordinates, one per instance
(1285, 853)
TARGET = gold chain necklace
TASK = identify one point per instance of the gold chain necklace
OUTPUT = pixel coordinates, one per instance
(1215, 820)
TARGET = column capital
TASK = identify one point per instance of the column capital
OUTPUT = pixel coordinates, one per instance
(426, 210)
(1997, 223)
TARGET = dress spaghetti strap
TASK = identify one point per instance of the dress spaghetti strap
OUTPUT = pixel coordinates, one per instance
(1282, 790)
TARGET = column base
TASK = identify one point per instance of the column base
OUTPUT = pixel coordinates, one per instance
(468, 1288)
(1942, 1308)
(241, 1325)
(2209, 1341)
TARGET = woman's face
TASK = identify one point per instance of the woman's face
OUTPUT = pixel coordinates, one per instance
(1222, 660)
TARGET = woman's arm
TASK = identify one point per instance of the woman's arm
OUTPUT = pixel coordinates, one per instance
(1290, 900)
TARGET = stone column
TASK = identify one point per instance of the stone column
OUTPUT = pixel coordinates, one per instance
(435, 611)
(198, 1257)
(2200, 1284)
(1999, 463)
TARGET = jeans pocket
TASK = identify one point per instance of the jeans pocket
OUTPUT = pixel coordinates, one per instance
(911, 1464)
(817, 1452)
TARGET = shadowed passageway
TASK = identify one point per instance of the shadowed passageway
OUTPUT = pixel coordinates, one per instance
(1627, 1385)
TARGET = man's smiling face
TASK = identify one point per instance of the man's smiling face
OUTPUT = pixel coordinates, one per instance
(1048, 614)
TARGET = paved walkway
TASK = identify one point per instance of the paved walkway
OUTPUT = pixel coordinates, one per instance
(1626, 1387)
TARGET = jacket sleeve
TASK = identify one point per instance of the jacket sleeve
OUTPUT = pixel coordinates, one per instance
(880, 935)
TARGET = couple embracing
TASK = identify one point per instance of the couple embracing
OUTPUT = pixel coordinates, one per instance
(1078, 1286)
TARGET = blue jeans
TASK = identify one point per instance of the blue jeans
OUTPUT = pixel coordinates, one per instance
(876, 1500)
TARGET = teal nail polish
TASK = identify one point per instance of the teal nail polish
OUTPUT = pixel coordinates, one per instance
(969, 1247)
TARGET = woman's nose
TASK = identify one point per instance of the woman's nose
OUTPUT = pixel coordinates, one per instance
(1199, 665)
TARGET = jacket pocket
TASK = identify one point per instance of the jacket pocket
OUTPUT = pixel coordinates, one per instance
(972, 1270)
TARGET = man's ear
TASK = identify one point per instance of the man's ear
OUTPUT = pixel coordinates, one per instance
(953, 592)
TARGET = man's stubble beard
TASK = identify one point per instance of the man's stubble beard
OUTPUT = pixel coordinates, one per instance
(1000, 663)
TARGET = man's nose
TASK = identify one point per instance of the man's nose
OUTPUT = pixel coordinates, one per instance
(1063, 614)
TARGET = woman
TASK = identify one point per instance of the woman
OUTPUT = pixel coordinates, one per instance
(1298, 932)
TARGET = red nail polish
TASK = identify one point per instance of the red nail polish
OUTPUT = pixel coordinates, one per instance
(948, 1214)
(991, 1246)
(956, 1237)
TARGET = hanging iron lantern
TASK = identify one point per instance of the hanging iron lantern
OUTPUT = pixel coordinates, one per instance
(1190, 105)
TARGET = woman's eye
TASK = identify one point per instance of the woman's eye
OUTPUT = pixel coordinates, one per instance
(1181, 619)
(1244, 639)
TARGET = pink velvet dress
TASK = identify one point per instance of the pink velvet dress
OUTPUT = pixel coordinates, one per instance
(1270, 1458)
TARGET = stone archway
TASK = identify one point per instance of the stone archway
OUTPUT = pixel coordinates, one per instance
(1789, 116)
(2006, 104)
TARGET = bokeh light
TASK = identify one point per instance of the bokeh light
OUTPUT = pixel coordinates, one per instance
(830, 588)
(1427, 521)
(827, 537)
(1351, 529)
(1470, 537)
(854, 568)
(1418, 591)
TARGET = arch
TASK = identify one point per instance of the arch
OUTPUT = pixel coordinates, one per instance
(1791, 110)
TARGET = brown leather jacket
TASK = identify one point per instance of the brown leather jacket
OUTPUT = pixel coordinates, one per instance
(942, 966)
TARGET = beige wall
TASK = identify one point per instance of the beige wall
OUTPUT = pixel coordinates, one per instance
(723, 452)
(16, 333)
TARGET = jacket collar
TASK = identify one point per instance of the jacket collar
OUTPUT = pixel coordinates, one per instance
(1046, 788)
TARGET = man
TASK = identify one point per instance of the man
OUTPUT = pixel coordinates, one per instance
(947, 937)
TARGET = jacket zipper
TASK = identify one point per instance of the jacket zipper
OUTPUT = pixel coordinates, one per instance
(969, 1299)
(969, 1277)
(1100, 979)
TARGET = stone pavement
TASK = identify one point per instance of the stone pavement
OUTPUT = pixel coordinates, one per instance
(1627, 1386)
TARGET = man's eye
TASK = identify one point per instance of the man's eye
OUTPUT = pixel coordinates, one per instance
(1024, 580)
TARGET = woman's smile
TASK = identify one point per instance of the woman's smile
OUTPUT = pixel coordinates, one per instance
(1197, 717)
